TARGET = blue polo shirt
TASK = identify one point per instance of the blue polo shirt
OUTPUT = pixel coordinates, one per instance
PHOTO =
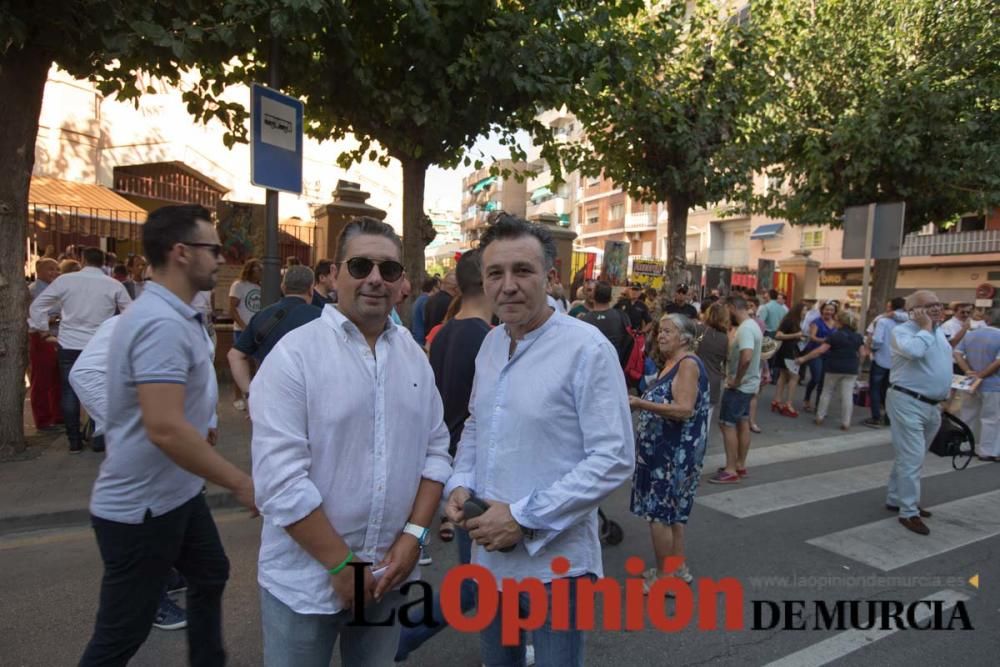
(921, 360)
(158, 340)
(296, 312)
(981, 347)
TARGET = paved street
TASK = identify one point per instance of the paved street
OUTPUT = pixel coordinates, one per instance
(811, 508)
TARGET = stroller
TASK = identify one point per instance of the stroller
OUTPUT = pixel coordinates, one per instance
(609, 531)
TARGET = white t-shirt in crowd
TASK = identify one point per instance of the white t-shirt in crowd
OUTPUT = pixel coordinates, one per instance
(249, 300)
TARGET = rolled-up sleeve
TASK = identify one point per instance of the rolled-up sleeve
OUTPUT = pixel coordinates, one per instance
(609, 452)
(38, 312)
(280, 447)
(437, 464)
(464, 469)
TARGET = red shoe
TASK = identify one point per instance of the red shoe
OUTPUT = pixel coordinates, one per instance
(742, 472)
(789, 411)
(775, 406)
(724, 478)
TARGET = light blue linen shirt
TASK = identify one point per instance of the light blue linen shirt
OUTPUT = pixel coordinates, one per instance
(921, 360)
(549, 432)
(881, 347)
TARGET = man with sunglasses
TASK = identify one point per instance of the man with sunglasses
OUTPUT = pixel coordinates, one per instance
(919, 380)
(350, 454)
(147, 507)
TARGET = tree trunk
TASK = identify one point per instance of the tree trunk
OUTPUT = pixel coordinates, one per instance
(414, 174)
(677, 216)
(22, 83)
(883, 282)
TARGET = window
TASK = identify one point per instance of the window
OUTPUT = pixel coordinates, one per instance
(972, 223)
(593, 216)
(617, 212)
(812, 238)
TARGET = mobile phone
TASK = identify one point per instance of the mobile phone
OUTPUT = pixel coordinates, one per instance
(474, 507)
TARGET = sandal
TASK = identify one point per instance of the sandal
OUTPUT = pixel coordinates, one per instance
(754, 428)
(789, 411)
(446, 531)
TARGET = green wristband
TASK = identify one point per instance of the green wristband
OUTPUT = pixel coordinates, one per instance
(348, 559)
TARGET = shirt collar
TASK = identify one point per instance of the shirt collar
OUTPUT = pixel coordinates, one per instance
(339, 322)
(185, 310)
(92, 269)
(536, 333)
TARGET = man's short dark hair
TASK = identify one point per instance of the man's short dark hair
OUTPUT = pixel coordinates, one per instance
(119, 270)
(166, 227)
(428, 285)
(365, 225)
(469, 273)
(898, 302)
(750, 291)
(323, 268)
(506, 226)
(602, 292)
(298, 279)
(93, 257)
(773, 293)
(737, 302)
(681, 289)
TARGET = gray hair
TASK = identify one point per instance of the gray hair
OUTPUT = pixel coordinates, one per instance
(911, 301)
(298, 280)
(365, 225)
(687, 327)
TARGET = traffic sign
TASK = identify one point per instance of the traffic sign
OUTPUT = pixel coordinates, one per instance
(276, 140)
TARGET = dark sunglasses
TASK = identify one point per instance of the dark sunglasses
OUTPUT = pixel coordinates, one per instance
(214, 248)
(361, 267)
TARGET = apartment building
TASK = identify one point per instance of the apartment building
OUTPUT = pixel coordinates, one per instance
(483, 193)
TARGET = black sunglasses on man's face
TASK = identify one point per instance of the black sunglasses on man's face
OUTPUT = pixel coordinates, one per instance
(361, 267)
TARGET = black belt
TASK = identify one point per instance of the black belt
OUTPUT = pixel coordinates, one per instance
(919, 397)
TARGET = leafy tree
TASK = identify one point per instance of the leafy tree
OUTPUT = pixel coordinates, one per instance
(416, 81)
(879, 101)
(663, 109)
(86, 38)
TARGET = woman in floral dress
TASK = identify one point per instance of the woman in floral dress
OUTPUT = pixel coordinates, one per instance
(670, 443)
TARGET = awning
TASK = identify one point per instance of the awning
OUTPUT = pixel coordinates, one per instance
(539, 194)
(483, 184)
(767, 231)
(82, 199)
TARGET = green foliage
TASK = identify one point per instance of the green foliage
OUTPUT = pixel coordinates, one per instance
(663, 105)
(882, 100)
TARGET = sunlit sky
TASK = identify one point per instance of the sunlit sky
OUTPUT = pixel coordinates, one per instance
(443, 187)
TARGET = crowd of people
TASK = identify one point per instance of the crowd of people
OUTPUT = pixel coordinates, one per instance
(500, 395)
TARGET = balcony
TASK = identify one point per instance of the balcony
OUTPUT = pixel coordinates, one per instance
(637, 222)
(729, 257)
(955, 243)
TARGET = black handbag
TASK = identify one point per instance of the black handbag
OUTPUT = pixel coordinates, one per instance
(951, 438)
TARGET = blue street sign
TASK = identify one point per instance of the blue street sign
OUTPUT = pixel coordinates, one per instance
(276, 140)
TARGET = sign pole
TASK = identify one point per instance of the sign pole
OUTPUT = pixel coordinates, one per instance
(867, 271)
(271, 283)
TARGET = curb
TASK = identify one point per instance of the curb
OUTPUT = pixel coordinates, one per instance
(76, 518)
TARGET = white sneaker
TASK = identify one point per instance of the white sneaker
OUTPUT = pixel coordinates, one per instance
(240, 404)
(529, 655)
(425, 558)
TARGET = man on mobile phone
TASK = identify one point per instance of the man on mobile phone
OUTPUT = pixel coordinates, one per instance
(919, 381)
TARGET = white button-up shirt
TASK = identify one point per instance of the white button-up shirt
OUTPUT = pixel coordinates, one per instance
(549, 432)
(339, 427)
(86, 298)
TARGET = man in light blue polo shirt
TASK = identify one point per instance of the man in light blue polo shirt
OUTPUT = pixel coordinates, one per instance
(146, 508)
(978, 353)
(919, 380)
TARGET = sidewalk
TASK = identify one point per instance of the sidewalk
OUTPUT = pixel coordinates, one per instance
(51, 488)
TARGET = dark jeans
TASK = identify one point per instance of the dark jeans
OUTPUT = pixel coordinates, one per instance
(410, 639)
(815, 378)
(70, 404)
(878, 385)
(137, 560)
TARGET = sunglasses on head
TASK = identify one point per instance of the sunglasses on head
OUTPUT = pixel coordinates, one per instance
(361, 267)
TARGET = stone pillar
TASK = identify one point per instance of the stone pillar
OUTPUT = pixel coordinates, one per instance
(806, 272)
(563, 237)
(348, 203)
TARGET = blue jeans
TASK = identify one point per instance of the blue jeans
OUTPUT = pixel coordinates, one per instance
(735, 407)
(913, 424)
(410, 639)
(815, 378)
(552, 647)
(878, 385)
(69, 403)
(306, 640)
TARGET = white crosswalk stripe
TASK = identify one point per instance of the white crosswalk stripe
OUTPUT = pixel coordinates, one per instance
(836, 647)
(794, 451)
(773, 496)
(882, 545)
